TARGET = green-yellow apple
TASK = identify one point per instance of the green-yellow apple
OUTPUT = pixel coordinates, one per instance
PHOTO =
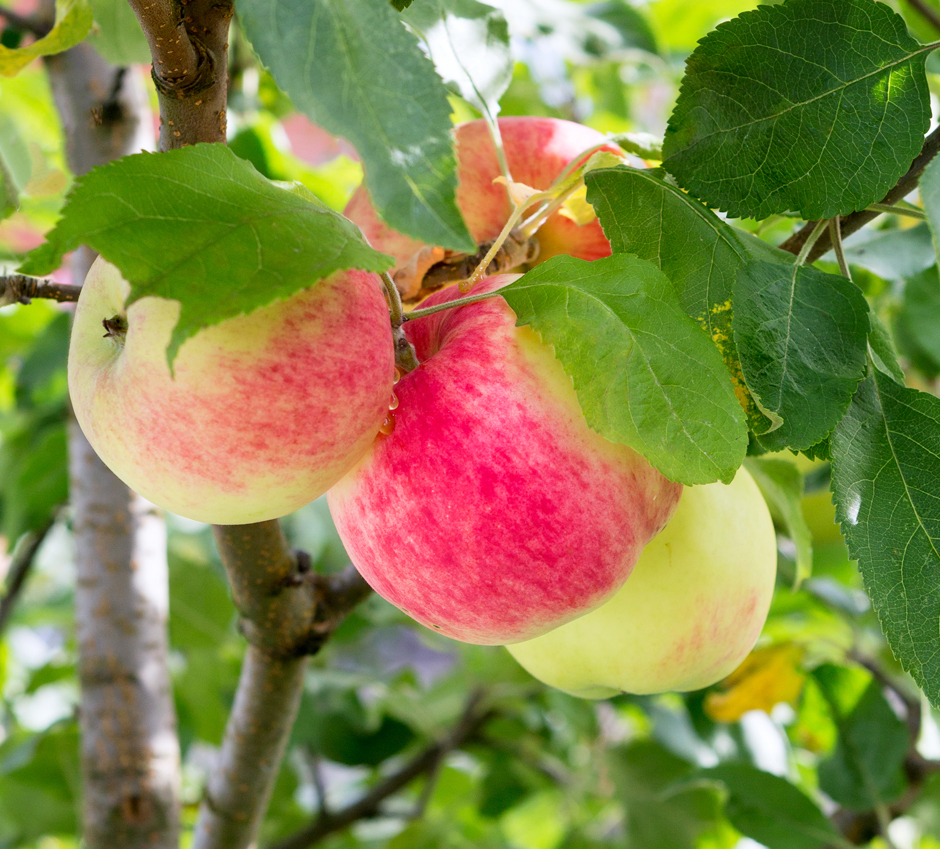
(537, 151)
(690, 612)
(264, 412)
(492, 512)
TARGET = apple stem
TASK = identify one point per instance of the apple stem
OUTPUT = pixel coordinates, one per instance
(405, 357)
(459, 302)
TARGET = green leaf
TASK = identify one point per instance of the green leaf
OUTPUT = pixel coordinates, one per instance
(117, 35)
(781, 484)
(811, 106)
(891, 254)
(201, 226)
(661, 813)
(770, 810)
(401, 5)
(646, 375)
(866, 768)
(802, 338)
(469, 45)
(73, 19)
(353, 68)
(881, 348)
(644, 215)
(885, 467)
(920, 311)
(15, 165)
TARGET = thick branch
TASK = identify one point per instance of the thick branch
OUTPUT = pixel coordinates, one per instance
(189, 45)
(287, 612)
(175, 59)
(21, 289)
(857, 220)
(19, 570)
(426, 762)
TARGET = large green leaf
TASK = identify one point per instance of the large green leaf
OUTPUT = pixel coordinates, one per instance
(353, 68)
(201, 226)
(73, 19)
(646, 375)
(642, 214)
(770, 810)
(812, 106)
(802, 337)
(885, 468)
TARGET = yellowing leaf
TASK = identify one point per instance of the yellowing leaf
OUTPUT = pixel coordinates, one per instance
(767, 676)
(73, 20)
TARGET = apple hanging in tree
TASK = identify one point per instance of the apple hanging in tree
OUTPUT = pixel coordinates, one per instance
(537, 151)
(492, 512)
(263, 412)
(690, 612)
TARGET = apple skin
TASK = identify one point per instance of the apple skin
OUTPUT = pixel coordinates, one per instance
(265, 412)
(537, 151)
(492, 512)
(690, 612)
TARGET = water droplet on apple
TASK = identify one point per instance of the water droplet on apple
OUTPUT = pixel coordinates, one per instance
(393, 402)
(388, 425)
(398, 374)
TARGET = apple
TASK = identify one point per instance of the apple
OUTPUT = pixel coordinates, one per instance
(491, 512)
(265, 411)
(537, 151)
(690, 612)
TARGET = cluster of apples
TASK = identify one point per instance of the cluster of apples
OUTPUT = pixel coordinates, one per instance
(470, 492)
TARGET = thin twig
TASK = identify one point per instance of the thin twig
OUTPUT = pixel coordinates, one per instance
(19, 570)
(21, 289)
(424, 763)
(835, 235)
(857, 220)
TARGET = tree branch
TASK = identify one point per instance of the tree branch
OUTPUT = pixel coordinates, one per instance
(287, 613)
(189, 45)
(426, 762)
(857, 220)
(19, 570)
(21, 289)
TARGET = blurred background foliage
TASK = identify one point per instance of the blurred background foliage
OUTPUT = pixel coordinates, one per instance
(818, 730)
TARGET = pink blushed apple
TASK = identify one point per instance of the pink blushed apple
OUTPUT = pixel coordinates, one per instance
(691, 611)
(492, 512)
(537, 151)
(264, 411)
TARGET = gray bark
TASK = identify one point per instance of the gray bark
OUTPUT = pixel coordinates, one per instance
(130, 750)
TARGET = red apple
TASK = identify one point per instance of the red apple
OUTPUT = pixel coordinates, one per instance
(492, 512)
(537, 151)
(265, 411)
(691, 611)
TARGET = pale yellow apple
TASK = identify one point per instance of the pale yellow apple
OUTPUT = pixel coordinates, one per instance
(263, 412)
(689, 613)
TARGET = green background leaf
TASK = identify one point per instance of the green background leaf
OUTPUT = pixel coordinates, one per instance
(811, 106)
(646, 375)
(352, 67)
